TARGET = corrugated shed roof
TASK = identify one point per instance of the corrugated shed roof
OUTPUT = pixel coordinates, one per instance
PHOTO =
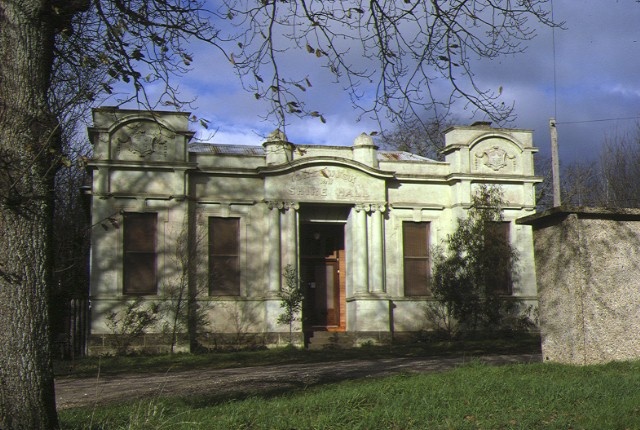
(209, 148)
(400, 156)
(219, 149)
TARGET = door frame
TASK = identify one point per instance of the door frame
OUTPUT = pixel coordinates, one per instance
(337, 259)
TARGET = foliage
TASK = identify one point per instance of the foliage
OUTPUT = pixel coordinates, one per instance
(473, 263)
(145, 42)
(531, 396)
(291, 296)
(441, 322)
(607, 181)
(366, 49)
(424, 138)
(174, 306)
(610, 181)
(388, 55)
(131, 322)
(182, 309)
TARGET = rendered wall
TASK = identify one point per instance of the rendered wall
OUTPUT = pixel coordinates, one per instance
(588, 265)
(144, 163)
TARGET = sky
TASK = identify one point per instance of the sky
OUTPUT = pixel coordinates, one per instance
(595, 91)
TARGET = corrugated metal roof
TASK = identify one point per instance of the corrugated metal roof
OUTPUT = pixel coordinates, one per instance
(400, 156)
(219, 149)
(210, 148)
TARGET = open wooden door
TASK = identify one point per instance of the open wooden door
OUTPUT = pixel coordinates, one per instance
(322, 247)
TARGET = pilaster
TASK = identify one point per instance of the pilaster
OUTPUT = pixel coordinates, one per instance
(360, 250)
(376, 249)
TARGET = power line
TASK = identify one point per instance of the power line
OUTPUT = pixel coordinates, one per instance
(599, 120)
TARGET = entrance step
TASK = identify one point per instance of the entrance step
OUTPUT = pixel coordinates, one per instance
(328, 340)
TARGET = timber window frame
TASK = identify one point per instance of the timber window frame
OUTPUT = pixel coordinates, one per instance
(224, 256)
(498, 237)
(416, 257)
(139, 253)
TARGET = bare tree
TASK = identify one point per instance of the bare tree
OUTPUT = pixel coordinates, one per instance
(425, 138)
(143, 42)
(609, 180)
(184, 302)
(31, 153)
(390, 55)
(620, 171)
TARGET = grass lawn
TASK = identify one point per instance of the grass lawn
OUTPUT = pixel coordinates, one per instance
(475, 396)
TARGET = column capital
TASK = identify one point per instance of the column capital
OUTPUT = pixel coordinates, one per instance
(363, 207)
(371, 207)
(274, 204)
(379, 207)
(291, 205)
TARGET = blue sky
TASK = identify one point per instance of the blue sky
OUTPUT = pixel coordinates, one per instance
(597, 65)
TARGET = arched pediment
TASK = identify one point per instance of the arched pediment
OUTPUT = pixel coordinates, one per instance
(325, 179)
(141, 138)
(496, 153)
(310, 162)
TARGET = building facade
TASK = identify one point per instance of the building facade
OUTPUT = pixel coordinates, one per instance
(356, 223)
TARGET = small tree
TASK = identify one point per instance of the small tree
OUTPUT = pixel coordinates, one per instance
(475, 266)
(290, 299)
(182, 308)
(131, 322)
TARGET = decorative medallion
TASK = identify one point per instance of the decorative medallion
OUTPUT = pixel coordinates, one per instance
(495, 158)
(142, 139)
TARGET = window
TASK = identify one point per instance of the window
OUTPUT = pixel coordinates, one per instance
(224, 256)
(497, 242)
(139, 253)
(415, 240)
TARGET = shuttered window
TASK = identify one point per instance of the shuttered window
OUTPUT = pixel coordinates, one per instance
(139, 265)
(415, 240)
(497, 242)
(224, 256)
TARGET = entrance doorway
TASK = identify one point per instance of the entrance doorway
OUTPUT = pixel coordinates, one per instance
(322, 275)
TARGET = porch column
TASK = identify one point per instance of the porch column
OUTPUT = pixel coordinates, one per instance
(376, 253)
(360, 251)
(290, 235)
(273, 247)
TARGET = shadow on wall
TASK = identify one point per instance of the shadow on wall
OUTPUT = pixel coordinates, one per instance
(588, 266)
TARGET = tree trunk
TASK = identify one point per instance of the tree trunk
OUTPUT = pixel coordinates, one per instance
(28, 144)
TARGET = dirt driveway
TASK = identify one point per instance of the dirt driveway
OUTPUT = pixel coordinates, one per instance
(219, 385)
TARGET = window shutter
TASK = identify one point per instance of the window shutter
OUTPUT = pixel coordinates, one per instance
(139, 254)
(224, 256)
(415, 239)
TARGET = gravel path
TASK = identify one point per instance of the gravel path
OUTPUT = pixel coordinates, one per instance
(219, 385)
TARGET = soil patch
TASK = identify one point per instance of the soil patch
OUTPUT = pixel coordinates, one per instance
(222, 385)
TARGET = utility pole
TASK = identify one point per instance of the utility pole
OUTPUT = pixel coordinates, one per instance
(555, 164)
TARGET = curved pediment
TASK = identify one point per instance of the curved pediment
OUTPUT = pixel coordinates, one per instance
(309, 162)
(141, 139)
(496, 153)
(325, 179)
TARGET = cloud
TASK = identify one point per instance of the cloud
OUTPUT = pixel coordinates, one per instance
(593, 76)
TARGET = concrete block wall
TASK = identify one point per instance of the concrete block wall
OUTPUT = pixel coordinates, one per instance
(588, 276)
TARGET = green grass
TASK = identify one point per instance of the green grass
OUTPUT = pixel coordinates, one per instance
(532, 396)
(220, 360)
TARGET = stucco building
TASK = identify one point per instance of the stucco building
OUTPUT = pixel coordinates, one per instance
(358, 223)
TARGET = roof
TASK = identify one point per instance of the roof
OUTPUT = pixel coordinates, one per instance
(400, 156)
(250, 150)
(210, 148)
(558, 213)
